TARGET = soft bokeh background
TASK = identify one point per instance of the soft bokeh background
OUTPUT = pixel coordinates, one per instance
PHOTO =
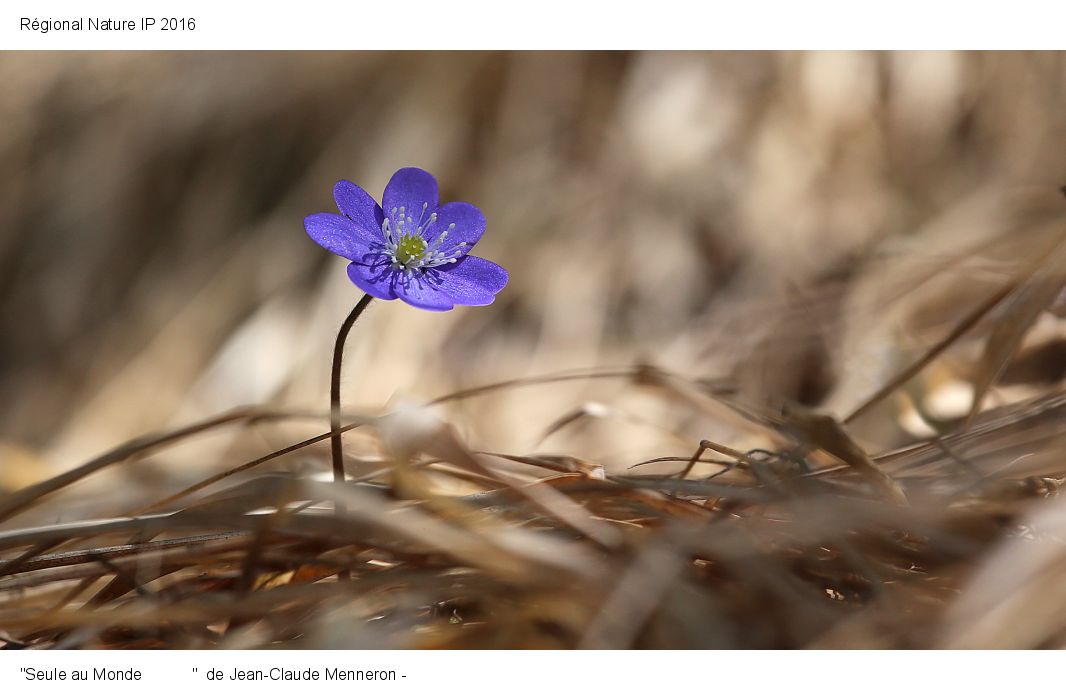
(792, 226)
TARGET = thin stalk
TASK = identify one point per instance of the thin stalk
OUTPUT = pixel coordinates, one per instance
(335, 389)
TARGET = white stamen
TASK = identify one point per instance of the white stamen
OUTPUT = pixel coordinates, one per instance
(399, 228)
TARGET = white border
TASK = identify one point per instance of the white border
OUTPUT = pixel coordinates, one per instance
(466, 675)
(555, 24)
(561, 24)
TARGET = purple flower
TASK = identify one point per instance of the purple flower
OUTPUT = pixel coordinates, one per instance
(412, 247)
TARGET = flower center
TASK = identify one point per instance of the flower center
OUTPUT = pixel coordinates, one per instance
(406, 244)
(410, 248)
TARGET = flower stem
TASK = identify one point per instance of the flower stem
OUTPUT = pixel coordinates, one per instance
(335, 389)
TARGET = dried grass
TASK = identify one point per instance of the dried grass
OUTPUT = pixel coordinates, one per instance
(450, 548)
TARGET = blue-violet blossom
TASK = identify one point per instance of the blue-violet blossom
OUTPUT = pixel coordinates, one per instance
(411, 247)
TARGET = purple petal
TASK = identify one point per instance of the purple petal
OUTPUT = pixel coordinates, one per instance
(338, 235)
(374, 275)
(413, 189)
(469, 224)
(360, 207)
(472, 281)
(419, 292)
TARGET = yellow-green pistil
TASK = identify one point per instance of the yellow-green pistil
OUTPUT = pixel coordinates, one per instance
(410, 248)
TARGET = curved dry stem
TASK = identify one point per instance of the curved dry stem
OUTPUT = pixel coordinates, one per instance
(336, 447)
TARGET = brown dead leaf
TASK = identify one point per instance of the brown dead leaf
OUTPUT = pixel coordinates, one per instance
(827, 434)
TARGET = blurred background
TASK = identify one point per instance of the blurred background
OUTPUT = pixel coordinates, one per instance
(785, 227)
